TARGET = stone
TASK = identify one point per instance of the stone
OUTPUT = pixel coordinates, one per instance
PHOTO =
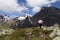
(57, 38)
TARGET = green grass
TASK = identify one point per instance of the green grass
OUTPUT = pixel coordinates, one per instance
(19, 34)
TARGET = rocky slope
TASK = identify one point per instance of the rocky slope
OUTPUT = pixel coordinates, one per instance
(26, 22)
(50, 16)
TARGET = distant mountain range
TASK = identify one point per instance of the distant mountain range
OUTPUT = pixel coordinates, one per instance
(22, 21)
(5, 18)
(50, 16)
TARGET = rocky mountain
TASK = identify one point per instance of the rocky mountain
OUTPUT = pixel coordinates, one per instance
(50, 16)
(24, 17)
(5, 18)
(22, 22)
(5, 21)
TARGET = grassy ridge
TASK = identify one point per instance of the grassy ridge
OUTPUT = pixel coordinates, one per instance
(19, 34)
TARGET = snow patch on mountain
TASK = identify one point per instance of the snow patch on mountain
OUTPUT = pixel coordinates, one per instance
(24, 17)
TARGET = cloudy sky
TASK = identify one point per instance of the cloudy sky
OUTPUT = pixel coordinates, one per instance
(15, 8)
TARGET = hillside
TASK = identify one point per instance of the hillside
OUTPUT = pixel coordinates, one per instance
(50, 16)
(19, 34)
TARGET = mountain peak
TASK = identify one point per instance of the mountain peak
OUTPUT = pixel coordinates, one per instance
(21, 18)
(28, 15)
(24, 17)
(50, 15)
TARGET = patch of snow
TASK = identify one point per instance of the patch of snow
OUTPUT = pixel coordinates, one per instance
(21, 18)
(28, 15)
(24, 17)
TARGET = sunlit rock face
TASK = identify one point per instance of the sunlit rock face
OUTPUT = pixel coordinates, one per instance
(55, 35)
(6, 31)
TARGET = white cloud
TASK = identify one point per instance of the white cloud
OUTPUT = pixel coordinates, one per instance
(11, 5)
(36, 9)
(52, 1)
(13, 16)
(48, 5)
(21, 8)
(8, 5)
(39, 3)
(34, 3)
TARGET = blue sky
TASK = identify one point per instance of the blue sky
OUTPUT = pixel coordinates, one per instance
(56, 4)
(15, 8)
